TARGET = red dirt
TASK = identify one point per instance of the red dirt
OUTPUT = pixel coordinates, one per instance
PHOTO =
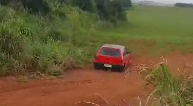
(82, 85)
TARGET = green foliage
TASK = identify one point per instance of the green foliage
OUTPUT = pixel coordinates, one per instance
(109, 10)
(10, 44)
(127, 3)
(112, 10)
(41, 43)
(85, 5)
(56, 35)
(34, 6)
(11, 36)
(172, 91)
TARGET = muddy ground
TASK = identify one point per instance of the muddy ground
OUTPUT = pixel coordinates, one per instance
(85, 85)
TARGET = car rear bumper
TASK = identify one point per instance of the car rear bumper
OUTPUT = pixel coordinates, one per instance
(102, 65)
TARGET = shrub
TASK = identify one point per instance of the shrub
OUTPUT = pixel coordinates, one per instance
(57, 35)
(11, 44)
(6, 64)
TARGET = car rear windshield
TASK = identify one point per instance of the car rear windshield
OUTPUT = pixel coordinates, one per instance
(110, 52)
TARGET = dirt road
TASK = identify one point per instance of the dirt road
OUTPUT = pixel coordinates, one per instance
(79, 85)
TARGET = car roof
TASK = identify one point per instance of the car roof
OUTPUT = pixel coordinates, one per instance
(114, 46)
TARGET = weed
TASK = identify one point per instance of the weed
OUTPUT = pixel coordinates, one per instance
(23, 79)
(171, 91)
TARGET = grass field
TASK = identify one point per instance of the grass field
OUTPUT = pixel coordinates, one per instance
(157, 29)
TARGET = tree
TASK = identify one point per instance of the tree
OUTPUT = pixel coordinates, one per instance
(36, 6)
(183, 5)
(33, 6)
(127, 3)
(112, 10)
(85, 5)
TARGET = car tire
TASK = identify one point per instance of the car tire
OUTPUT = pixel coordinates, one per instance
(122, 68)
(96, 66)
(118, 69)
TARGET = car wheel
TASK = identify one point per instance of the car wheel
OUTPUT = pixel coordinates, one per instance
(122, 68)
(96, 66)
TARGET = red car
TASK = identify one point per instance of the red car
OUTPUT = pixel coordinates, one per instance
(112, 56)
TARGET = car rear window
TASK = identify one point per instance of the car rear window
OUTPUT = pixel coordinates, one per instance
(110, 52)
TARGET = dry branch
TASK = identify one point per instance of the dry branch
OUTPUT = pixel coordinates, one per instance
(85, 102)
(103, 98)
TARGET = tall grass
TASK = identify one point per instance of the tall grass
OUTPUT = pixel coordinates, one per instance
(169, 90)
(38, 43)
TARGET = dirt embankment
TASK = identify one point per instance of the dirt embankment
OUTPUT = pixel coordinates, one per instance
(84, 85)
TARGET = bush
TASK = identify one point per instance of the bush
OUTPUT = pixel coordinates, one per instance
(7, 63)
(11, 44)
(56, 35)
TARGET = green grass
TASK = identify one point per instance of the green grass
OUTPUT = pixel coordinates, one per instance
(37, 43)
(169, 90)
(157, 29)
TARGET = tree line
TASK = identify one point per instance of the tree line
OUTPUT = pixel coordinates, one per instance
(183, 5)
(109, 10)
